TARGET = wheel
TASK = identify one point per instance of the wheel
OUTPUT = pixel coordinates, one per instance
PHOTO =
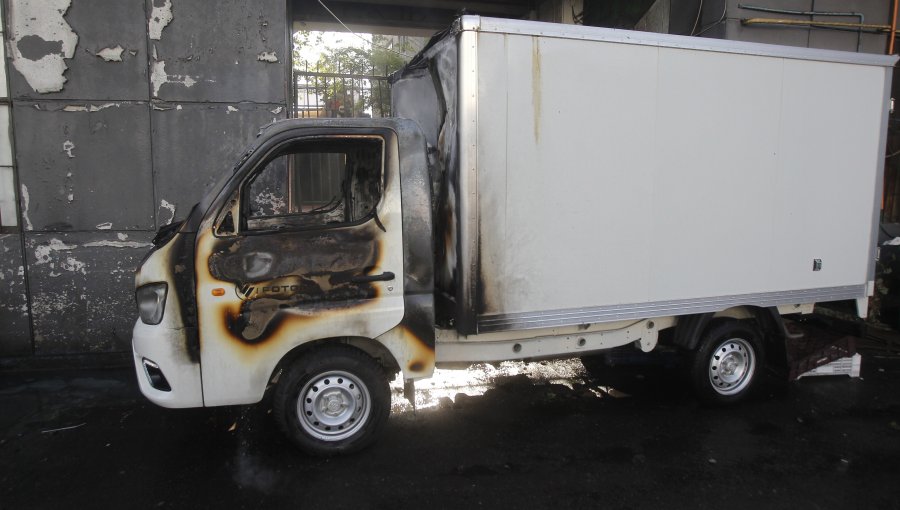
(728, 361)
(332, 400)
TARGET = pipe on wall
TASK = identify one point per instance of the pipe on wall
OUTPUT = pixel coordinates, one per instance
(893, 27)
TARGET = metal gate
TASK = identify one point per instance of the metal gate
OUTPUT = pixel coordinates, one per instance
(327, 94)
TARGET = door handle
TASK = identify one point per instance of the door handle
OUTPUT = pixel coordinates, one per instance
(383, 277)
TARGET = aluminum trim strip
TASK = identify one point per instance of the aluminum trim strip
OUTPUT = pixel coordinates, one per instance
(505, 26)
(879, 178)
(575, 316)
(467, 107)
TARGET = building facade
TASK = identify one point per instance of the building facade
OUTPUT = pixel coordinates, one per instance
(117, 115)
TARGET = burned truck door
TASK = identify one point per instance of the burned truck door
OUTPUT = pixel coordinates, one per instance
(307, 246)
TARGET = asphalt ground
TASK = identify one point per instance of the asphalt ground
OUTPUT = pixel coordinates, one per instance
(513, 435)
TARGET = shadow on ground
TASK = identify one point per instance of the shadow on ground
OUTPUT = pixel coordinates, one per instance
(508, 435)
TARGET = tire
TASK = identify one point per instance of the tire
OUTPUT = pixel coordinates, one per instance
(333, 400)
(728, 362)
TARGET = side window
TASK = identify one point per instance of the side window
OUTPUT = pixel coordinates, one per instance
(314, 183)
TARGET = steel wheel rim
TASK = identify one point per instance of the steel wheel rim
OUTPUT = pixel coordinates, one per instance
(731, 366)
(332, 406)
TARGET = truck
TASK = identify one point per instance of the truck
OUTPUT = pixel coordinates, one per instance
(542, 191)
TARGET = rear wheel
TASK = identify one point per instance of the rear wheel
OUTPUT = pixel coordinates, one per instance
(332, 400)
(728, 362)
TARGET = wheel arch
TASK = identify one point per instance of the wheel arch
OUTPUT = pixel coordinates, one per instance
(691, 327)
(374, 349)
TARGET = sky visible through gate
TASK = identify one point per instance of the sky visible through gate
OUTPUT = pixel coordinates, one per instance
(309, 46)
(347, 53)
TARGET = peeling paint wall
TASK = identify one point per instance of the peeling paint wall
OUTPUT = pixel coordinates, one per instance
(41, 41)
(76, 280)
(124, 113)
(15, 334)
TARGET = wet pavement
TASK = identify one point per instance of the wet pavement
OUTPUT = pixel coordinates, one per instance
(513, 435)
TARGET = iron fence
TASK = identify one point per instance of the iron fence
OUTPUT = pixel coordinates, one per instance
(330, 94)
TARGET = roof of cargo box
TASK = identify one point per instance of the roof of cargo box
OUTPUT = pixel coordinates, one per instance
(558, 30)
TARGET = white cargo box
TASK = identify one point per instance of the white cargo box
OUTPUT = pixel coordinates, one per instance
(603, 175)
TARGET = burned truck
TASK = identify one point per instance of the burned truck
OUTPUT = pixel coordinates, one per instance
(545, 191)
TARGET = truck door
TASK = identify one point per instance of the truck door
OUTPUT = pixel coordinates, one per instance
(307, 247)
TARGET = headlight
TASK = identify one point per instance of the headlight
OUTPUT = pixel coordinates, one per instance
(151, 301)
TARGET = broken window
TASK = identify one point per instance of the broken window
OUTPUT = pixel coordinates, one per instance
(315, 183)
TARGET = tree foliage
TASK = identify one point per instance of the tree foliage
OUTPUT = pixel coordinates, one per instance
(349, 80)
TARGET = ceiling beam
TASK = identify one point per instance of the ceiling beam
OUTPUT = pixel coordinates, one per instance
(386, 13)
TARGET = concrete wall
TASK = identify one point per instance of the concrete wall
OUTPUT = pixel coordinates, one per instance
(122, 113)
(116, 115)
(682, 17)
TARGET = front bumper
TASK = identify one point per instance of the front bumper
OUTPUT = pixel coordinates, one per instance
(160, 351)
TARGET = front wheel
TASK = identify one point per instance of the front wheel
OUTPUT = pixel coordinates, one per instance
(332, 400)
(728, 362)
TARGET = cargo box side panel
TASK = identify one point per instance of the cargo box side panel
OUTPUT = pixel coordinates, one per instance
(829, 154)
(716, 175)
(782, 160)
(638, 180)
(565, 130)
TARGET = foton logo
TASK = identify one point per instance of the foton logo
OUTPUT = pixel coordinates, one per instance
(245, 291)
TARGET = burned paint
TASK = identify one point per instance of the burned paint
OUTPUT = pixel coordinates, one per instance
(41, 41)
(433, 103)
(418, 257)
(335, 306)
(275, 275)
(171, 261)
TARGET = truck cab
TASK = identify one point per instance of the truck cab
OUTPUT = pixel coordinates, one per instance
(310, 245)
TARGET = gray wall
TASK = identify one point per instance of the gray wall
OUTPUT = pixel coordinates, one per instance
(125, 111)
(683, 14)
(155, 100)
